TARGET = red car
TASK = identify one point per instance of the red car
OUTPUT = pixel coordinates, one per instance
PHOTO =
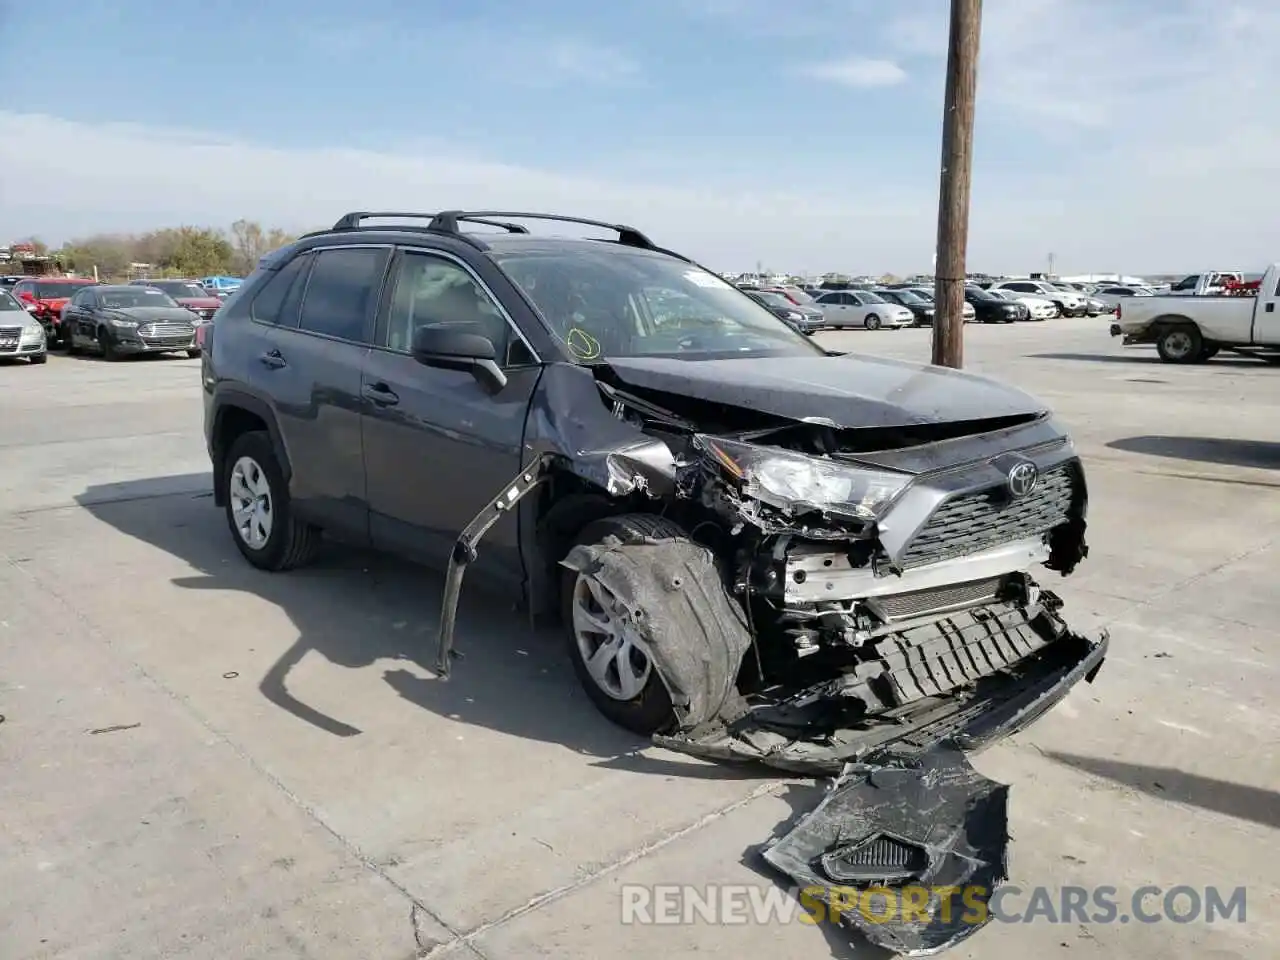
(188, 293)
(49, 295)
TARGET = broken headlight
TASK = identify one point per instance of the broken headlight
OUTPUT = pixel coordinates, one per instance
(785, 478)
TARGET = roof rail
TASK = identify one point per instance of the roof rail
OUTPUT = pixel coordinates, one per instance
(351, 221)
(447, 222)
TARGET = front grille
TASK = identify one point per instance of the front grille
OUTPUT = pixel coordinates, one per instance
(877, 858)
(904, 606)
(975, 522)
(9, 339)
(166, 331)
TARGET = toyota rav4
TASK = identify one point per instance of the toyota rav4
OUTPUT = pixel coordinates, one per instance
(759, 548)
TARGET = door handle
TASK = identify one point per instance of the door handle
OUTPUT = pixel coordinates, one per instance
(273, 359)
(381, 394)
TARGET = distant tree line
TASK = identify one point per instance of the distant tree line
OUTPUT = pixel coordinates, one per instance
(169, 252)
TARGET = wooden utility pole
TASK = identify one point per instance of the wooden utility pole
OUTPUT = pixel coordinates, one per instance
(957, 173)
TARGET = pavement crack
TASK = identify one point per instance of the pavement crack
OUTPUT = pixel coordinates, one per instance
(468, 939)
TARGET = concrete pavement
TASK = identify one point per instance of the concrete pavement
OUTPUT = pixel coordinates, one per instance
(201, 760)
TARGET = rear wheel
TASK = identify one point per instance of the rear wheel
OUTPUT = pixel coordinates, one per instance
(1180, 344)
(258, 508)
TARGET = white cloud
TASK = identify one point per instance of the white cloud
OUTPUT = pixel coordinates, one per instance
(857, 72)
(105, 176)
(582, 60)
(1132, 136)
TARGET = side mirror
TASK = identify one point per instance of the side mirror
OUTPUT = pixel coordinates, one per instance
(448, 349)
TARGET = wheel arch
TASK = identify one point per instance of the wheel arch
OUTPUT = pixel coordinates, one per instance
(235, 414)
(567, 506)
(1172, 320)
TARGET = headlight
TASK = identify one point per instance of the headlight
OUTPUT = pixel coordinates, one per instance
(124, 324)
(787, 479)
(32, 330)
(795, 316)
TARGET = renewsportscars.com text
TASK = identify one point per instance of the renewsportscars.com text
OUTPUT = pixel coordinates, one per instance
(746, 903)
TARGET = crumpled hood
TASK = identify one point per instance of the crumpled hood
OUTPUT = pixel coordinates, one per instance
(842, 391)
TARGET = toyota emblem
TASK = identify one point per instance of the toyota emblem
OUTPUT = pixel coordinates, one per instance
(1023, 478)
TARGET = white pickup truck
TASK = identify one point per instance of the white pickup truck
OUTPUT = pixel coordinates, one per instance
(1193, 329)
(1204, 284)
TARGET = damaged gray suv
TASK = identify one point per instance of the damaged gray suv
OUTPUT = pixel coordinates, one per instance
(759, 549)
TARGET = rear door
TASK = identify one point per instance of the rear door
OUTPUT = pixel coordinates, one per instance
(309, 363)
(437, 445)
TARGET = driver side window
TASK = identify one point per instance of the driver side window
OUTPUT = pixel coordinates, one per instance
(431, 291)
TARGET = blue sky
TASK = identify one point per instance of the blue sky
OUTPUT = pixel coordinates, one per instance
(806, 140)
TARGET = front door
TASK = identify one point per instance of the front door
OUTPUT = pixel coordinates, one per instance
(437, 445)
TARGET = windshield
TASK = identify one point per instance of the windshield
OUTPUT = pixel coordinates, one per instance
(7, 302)
(771, 299)
(181, 288)
(906, 296)
(866, 296)
(924, 295)
(798, 295)
(135, 297)
(50, 290)
(603, 303)
(977, 293)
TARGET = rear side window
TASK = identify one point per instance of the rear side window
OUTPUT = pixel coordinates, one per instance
(342, 292)
(269, 306)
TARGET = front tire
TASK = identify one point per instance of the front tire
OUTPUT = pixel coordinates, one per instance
(872, 322)
(109, 351)
(259, 512)
(1180, 344)
(616, 674)
(40, 358)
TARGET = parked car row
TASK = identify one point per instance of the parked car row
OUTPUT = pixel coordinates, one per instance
(115, 320)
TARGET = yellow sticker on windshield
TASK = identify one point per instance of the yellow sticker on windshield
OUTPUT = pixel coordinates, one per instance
(582, 345)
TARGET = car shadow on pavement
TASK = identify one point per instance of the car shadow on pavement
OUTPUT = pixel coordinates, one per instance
(1217, 796)
(1131, 358)
(1220, 450)
(357, 608)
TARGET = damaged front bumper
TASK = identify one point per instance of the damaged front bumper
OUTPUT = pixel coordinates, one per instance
(804, 734)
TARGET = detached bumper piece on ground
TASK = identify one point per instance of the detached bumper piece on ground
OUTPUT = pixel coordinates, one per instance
(905, 852)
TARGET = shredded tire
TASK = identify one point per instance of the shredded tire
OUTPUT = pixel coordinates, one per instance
(674, 591)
